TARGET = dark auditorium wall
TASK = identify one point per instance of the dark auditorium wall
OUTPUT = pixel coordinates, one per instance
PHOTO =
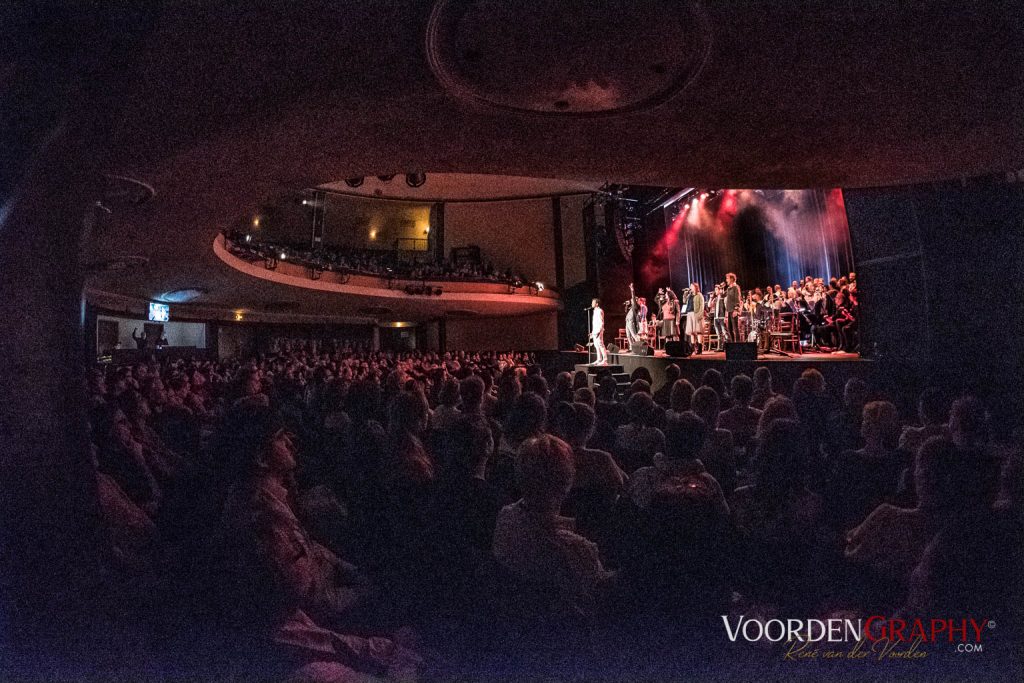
(515, 234)
(573, 252)
(535, 332)
(939, 270)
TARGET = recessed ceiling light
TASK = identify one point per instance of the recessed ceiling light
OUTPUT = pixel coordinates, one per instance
(182, 296)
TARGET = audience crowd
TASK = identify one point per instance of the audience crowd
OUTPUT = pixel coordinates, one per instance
(388, 264)
(349, 511)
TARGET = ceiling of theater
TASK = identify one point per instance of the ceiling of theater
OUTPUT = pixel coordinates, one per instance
(455, 187)
(234, 102)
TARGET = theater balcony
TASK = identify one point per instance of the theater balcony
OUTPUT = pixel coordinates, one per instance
(397, 295)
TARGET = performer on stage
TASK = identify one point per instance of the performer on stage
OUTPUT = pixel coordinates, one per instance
(597, 333)
(641, 318)
(685, 308)
(670, 316)
(721, 317)
(733, 300)
(632, 327)
(695, 317)
(847, 325)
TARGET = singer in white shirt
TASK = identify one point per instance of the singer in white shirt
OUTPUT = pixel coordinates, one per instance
(597, 333)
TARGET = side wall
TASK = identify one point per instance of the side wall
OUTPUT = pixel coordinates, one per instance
(938, 268)
(177, 333)
(525, 333)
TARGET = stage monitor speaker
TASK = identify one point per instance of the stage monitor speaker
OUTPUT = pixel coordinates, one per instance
(613, 348)
(741, 351)
(640, 348)
(679, 349)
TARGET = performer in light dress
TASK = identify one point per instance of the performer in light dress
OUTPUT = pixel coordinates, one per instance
(695, 317)
(597, 333)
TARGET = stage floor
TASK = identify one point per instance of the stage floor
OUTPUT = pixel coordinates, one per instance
(761, 358)
(837, 367)
(719, 357)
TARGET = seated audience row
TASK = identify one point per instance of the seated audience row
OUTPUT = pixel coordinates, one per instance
(354, 509)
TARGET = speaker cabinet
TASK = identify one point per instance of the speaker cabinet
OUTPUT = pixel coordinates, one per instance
(640, 349)
(679, 349)
(741, 351)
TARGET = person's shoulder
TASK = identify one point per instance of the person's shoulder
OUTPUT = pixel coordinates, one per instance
(885, 515)
(595, 454)
(723, 438)
(643, 475)
(729, 413)
(577, 545)
(655, 436)
(601, 459)
(510, 514)
(910, 434)
(709, 479)
(645, 471)
(743, 493)
(255, 507)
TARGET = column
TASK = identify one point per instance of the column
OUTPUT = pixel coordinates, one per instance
(59, 100)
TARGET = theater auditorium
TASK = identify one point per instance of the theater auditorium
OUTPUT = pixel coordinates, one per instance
(462, 340)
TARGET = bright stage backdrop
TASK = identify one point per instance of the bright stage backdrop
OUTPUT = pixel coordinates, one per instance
(764, 236)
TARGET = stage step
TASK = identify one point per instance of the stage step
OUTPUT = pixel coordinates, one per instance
(618, 372)
(594, 369)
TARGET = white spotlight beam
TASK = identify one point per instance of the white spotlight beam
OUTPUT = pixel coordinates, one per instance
(676, 197)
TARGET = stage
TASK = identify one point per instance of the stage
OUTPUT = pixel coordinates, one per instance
(836, 367)
(839, 356)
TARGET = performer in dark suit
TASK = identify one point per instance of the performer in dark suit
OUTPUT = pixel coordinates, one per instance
(733, 300)
(721, 317)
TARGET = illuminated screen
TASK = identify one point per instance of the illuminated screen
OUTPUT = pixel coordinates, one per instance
(159, 313)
